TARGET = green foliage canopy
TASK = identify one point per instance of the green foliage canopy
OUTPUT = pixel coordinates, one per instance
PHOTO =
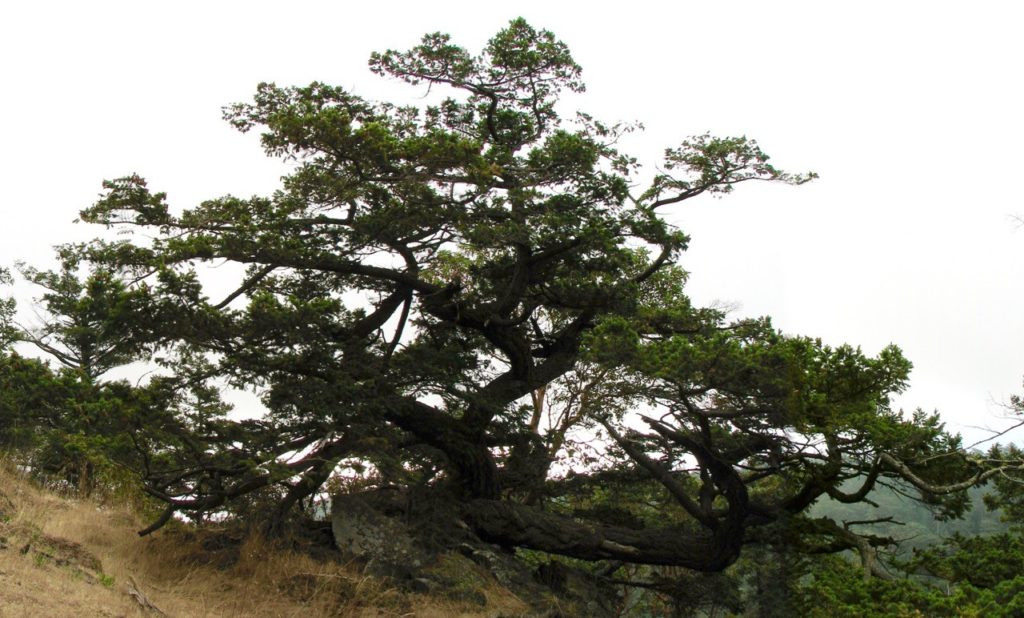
(425, 270)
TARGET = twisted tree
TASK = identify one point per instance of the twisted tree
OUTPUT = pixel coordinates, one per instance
(424, 271)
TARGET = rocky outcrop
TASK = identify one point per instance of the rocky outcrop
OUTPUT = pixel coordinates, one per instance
(383, 544)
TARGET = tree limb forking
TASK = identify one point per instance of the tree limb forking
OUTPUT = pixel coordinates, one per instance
(426, 269)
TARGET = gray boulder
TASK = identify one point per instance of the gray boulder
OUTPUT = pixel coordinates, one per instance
(382, 543)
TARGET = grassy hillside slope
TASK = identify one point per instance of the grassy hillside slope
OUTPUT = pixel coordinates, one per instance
(65, 557)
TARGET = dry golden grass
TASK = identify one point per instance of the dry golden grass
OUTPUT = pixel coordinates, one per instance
(182, 571)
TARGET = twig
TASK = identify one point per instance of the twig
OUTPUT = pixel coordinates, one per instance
(135, 593)
(997, 434)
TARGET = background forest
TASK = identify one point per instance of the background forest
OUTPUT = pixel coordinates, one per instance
(470, 314)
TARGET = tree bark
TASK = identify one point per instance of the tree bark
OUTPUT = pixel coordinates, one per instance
(522, 526)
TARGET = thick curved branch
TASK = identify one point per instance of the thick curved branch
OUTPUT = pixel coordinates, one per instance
(522, 526)
(930, 488)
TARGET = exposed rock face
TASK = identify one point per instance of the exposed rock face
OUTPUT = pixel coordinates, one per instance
(425, 546)
(383, 543)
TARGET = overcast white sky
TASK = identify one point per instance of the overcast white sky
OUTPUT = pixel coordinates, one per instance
(910, 111)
